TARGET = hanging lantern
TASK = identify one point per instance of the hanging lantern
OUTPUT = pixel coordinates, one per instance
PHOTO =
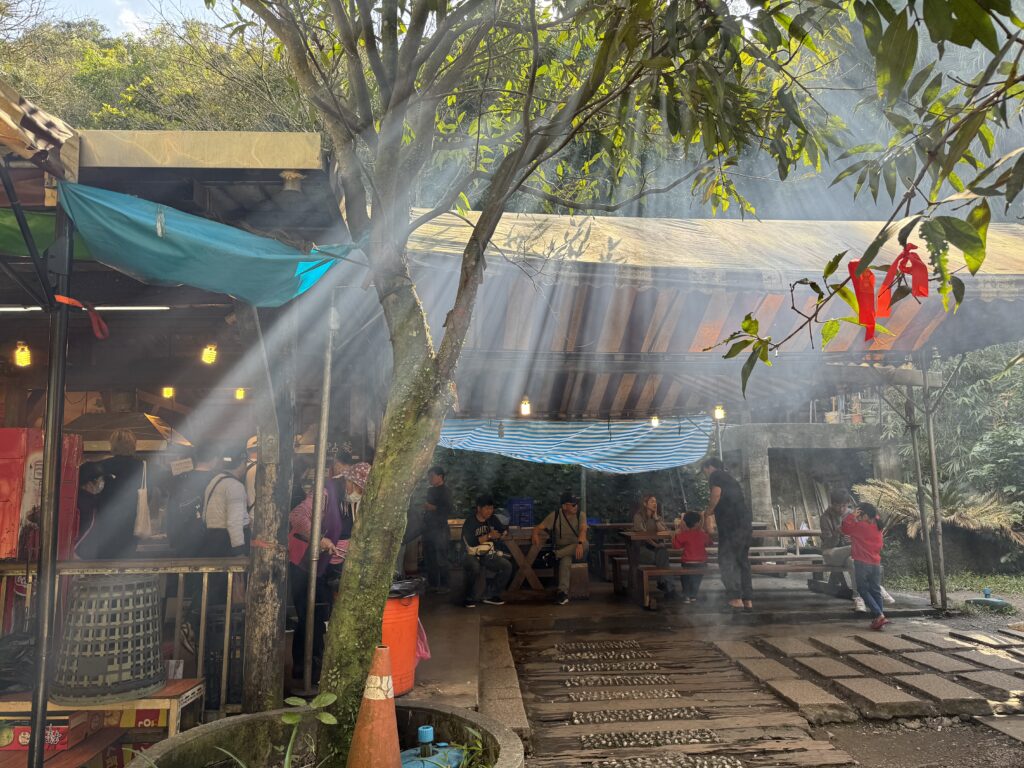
(524, 407)
(719, 413)
(22, 355)
(209, 355)
(240, 393)
(167, 392)
(655, 421)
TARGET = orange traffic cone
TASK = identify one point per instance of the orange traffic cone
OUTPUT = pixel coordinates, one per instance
(375, 739)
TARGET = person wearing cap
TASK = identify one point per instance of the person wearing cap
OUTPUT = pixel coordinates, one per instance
(91, 479)
(568, 530)
(483, 563)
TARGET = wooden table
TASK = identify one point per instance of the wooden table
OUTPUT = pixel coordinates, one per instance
(797, 535)
(520, 545)
(175, 696)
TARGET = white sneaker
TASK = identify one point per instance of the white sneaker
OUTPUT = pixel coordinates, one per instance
(886, 597)
(858, 604)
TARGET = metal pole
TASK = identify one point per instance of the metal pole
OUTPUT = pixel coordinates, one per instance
(915, 442)
(333, 323)
(929, 420)
(583, 490)
(718, 437)
(46, 612)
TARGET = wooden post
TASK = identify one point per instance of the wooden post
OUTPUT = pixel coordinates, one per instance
(929, 424)
(265, 598)
(915, 440)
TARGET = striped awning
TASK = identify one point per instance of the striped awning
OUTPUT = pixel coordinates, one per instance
(620, 447)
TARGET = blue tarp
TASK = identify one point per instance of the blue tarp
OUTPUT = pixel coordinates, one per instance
(621, 447)
(157, 244)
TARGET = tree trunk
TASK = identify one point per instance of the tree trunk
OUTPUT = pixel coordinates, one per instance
(412, 424)
(265, 599)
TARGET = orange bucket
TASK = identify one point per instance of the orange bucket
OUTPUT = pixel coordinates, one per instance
(398, 630)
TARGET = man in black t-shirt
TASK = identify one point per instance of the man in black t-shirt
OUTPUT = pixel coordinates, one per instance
(735, 527)
(481, 530)
(436, 540)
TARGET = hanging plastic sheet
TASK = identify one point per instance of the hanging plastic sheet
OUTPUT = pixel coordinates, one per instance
(157, 244)
(621, 447)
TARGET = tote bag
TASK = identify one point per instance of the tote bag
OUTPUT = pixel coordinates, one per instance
(143, 527)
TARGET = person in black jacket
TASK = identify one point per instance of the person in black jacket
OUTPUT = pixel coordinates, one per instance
(735, 525)
(91, 481)
(114, 526)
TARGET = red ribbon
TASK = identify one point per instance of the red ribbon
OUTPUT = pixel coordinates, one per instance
(99, 328)
(864, 288)
(908, 263)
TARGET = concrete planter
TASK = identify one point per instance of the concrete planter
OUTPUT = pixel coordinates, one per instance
(251, 738)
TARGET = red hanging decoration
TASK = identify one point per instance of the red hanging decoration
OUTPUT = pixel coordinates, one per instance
(864, 289)
(908, 263)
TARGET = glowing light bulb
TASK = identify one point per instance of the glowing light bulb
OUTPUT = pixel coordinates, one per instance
(655, 421)
(240, 393)
(719, 413)
(167, 392)
(209, 355)
(524, 407)
(22, 355)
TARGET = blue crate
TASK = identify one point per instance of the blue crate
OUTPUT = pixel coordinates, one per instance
(520, 511)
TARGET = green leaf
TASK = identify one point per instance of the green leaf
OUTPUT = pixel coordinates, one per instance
(979, 218)
(748, 368)
(964, 136)
(833, 264)
(738, 347)
(829, 331)
(919, 79)
(931, 91)
(906, 228)
(295, 701)
(846, 294)
(975, 22)
(750, 325)
(964, 236)
(872, 250)
(871, 23)
(958, 291)
(894, 60)
(291, 718)
(326, 718)
(939, 19)
(324, 700)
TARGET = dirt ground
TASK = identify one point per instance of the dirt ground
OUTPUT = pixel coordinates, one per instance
(933, 743)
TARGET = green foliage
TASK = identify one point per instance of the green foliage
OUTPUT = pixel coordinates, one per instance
(963, 581)
(187, 76)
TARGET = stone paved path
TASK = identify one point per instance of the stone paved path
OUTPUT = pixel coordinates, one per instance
(643, 699)
(897, 673)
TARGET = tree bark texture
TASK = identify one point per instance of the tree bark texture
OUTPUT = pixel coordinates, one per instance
(265, 599)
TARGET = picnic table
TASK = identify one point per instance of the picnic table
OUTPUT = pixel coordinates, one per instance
(634, 540)
(524, 552)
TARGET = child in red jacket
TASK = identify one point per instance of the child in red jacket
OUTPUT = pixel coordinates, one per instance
(693, 540)
(864, 529)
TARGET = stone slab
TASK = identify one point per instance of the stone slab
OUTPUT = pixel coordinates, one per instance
(826, 667)
(883, 665)
(1014, 633)
(737, 649)
(841, 644)
(940, 662)
(1001, 684)
(877, 700)
(887, 642)
(1012, 726)
(791, 646)
(950, 698)
(767, 669)
(991, 639)
(816, 704)
(992, 659)
(935, 640)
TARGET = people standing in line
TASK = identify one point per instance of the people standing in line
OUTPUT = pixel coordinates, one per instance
(91, 481)
(486, 571)
(735, 524)
(693, 540)
(224, 507)
(568, 530)
(437, 508)
(653, 551)
(836, 549)
(864, 527)
(116, 506)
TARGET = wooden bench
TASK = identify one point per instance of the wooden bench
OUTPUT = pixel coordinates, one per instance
(606, 560)
(649, 572)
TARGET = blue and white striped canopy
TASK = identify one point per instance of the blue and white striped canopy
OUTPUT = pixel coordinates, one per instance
(620, 447)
